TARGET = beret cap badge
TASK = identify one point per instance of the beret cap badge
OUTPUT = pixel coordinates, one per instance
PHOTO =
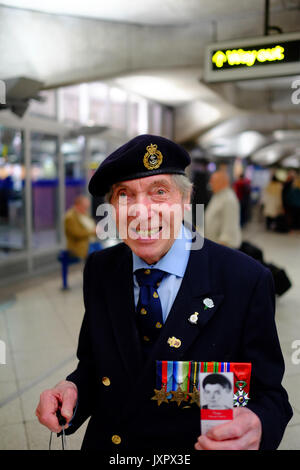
(153, 158)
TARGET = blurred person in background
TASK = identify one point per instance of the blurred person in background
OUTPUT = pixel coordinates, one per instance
(242, 190)
(293, 200)
(80, 228)
(285, 202)
(222, 216)
(272, 203)
(200, 178)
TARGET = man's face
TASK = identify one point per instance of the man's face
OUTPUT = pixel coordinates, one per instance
(149, 213)
(218, 181)
(83, 205)
(216, 396)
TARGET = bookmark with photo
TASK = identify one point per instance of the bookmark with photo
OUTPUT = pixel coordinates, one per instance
(216, 399)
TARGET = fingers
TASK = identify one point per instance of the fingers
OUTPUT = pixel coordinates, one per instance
(248, 441)
(46, 410)
(244, 420)
(226, 431)
(204, 443)
(63, 397)
(243, 432)
(69, 398)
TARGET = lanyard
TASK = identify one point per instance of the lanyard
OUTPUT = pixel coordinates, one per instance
(62, 422)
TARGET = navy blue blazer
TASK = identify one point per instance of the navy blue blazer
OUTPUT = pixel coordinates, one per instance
(239, 328)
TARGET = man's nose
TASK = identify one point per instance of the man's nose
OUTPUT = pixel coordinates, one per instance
(142, 207)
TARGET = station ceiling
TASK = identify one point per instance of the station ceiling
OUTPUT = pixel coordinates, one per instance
(156, 48)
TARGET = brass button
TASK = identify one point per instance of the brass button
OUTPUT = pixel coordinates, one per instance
(147, 271)
(146, 338)
(143, 311)
(158, 325)
(106, 381)
(116, 439)
(155, 295)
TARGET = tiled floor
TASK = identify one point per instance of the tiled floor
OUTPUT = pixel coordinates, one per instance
(40, 324)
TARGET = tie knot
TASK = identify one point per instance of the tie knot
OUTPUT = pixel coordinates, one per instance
(149, 277)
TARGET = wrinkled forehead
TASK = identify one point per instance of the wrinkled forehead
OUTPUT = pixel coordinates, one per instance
(144, 183)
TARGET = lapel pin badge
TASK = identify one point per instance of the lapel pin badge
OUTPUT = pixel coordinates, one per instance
(194, 318)
(174, 342)
(208, 303)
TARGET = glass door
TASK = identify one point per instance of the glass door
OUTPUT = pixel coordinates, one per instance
(44, 177)
(12, 192)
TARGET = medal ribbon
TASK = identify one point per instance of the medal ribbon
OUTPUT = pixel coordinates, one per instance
(164, 375)
(241, 372)
(194, 370)
(171, 374)
(185, 376)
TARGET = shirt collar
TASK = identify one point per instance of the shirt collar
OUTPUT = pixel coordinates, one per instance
(175, 260)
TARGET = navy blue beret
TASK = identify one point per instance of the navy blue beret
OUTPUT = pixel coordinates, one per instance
(145, 155)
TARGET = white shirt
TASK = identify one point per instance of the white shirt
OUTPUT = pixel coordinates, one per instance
(174, 262)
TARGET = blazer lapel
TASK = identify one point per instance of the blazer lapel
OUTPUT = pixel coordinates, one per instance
(122, 312)
(195, 288)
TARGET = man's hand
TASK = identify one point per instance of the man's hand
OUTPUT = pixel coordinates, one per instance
(64, 397)
(242, 433)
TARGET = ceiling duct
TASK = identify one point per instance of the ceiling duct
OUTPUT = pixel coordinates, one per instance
(87, 131)
(19, 92)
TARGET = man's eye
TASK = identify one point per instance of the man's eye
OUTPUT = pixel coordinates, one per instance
(122, 194)
(161, 192)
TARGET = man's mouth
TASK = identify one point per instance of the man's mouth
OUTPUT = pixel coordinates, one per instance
(151, 233)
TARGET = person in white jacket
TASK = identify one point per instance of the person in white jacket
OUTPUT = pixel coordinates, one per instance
(222, 216)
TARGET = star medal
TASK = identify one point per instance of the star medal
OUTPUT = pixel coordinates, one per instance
(240, 398)
(195, 396)
(179, 396)
(160, 396)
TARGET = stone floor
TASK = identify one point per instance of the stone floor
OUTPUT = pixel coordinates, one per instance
(39, 324)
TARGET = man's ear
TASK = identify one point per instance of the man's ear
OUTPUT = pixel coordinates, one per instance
(187, 198)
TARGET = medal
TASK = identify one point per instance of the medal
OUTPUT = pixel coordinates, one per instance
(179, 396)
(160, 396)
(240, 398)
(195, 396)
(178, 381)
(193, 386)
(164, 372)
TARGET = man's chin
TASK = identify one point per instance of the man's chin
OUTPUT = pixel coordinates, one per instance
(150, 251)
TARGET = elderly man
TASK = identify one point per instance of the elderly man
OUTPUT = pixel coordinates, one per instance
(222, 216)
(144, 303)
